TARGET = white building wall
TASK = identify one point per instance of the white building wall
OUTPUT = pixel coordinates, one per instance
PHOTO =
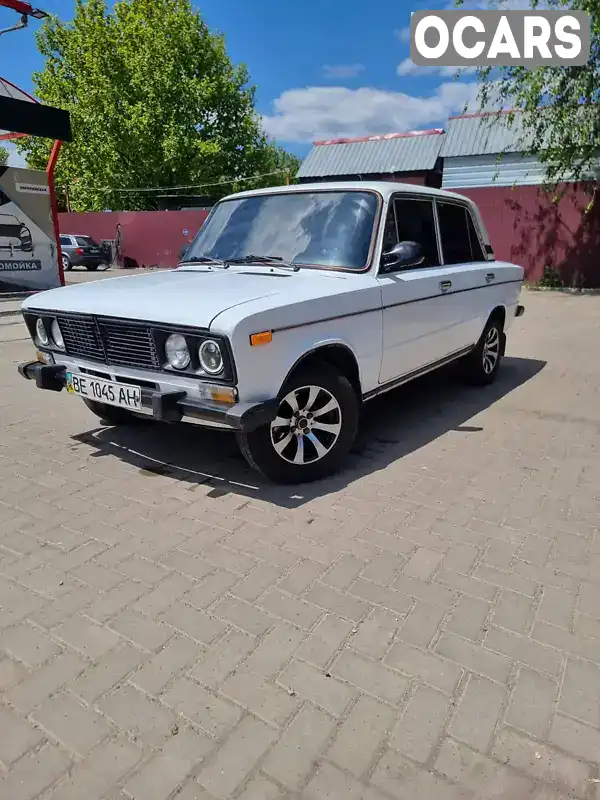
(510, 169)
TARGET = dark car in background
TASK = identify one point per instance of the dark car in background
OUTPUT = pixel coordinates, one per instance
(81, 251)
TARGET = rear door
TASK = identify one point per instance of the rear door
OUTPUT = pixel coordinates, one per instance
(416, 312)
(467, 272)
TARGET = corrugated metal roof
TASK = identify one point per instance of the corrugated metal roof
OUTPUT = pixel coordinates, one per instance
(374, 155)
(484, 134)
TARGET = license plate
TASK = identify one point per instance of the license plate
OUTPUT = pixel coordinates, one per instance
(114, 394)
(94, 250)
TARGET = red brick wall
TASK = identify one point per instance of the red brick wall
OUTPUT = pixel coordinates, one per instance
(526, 227)
(147, 237)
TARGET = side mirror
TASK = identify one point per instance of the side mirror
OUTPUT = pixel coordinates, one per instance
(402, 255)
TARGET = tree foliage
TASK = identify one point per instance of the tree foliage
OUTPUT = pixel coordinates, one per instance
(557, 109)
(3, 156)
(154, 101)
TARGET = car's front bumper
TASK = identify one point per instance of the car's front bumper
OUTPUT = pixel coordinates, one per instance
(169, 406)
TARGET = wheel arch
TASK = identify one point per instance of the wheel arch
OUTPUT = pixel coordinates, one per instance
(336, 354)
(499, 313)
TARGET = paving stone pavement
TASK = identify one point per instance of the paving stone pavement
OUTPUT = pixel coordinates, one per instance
(424, 625)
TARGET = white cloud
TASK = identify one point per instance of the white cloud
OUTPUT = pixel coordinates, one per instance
(408, 67)
(318, 112)
(403, 35)
(340, 71)
(15, 159)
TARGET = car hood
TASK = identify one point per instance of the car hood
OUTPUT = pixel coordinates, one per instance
(191, 297)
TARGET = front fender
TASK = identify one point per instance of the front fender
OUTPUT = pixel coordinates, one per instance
(263, 370)
(322, 345)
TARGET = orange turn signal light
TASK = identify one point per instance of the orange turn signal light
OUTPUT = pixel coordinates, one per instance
(261, 338)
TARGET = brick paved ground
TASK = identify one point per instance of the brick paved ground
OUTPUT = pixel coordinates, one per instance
(426, 625)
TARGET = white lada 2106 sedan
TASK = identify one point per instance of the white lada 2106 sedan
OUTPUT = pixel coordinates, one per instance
(291, 308)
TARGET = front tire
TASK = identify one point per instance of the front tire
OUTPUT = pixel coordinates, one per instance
(313, 431)
(483, 363)
(111, 414)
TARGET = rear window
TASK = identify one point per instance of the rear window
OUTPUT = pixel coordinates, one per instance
(460, 242)
(85, 241)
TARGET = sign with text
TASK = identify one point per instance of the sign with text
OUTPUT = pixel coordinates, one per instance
(20, 266)
(500, 38)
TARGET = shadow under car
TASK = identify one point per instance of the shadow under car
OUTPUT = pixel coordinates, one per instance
(393, 425)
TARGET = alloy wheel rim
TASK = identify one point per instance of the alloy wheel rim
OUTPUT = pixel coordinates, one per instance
(307, 426)
(491, 350)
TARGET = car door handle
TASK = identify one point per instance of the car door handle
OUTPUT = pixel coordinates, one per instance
(445, 285)
(490, 277)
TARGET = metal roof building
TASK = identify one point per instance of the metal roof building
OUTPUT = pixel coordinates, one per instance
(490, 149)
(484, 134)
(414, 157)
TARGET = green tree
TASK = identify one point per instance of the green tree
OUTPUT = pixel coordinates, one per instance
(3, 156)
(559, 119)
(154, 101)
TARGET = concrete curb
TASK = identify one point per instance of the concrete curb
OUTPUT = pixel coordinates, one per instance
(561, 290)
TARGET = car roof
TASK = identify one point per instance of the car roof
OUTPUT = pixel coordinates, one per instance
(384, 188)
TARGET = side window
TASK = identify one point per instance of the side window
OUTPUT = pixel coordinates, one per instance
(65, 240)
(390, 232)
(460, 242)
(454, 233)
(476, 251)
(415, 223)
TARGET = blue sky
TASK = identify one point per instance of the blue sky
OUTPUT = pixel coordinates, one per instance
(322, 68)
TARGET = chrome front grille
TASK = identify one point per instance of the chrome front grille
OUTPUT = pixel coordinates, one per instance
(110, 342)
(128, 345)
(82, 338)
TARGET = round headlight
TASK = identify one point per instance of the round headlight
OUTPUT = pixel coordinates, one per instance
(177, 351)
(57, 337)
(41, 332)
(210, 356)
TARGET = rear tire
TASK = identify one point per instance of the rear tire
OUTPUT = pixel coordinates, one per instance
(66, 263)
(313, 431)
(483, 362)
(111, 414)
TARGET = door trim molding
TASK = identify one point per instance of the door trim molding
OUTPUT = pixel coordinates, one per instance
(392, 305)
(409, 376)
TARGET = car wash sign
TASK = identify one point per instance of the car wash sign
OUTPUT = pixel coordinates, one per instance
(28, 251)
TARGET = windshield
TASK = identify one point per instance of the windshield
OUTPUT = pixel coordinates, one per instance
(85, 241)
(324, 229)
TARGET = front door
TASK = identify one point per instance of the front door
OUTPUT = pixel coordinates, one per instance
(415, 309)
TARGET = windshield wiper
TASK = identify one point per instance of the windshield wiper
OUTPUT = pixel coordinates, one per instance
(215, 262)
(276, 261)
